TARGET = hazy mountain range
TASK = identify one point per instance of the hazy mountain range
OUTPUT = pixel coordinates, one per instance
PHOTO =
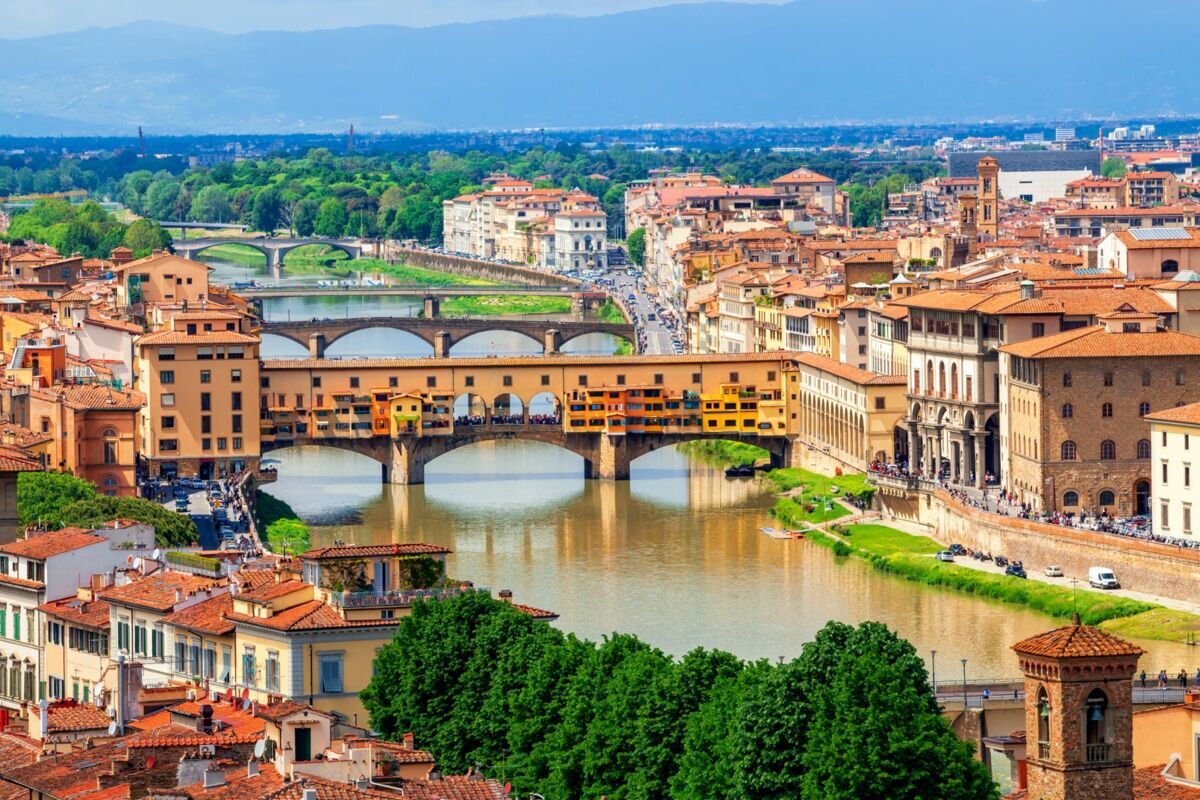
(807, 61)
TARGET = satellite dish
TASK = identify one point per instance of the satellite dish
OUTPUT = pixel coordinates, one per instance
(260, 747)
(150, 762)
(156, 555)
(137, 564)
(112, 712)
(229, 695)
(112, 729)
(245, 694)
(129, 559)
(246, 705)
(508, 788)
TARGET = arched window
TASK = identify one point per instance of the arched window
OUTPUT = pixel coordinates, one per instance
(1106, 410)
(1070, 499)
(954, 381)
(1096, 734)
(929, 376)
(1043, 729)
(1066, 379)
(110, 445)
(942, 380)
(1068, 411)
(935, 253)
(1143, 448)
(1170, 266)
(1143, 408)
(1107, 498)
(109, 484)
(1068, 451)
(1108, 450)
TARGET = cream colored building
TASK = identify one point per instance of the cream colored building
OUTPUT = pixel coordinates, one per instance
(1175, 482)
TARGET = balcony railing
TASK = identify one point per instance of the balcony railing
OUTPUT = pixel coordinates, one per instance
(398, 598)
(1098, 753)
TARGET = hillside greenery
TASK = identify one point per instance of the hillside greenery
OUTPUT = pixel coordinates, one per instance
(84, 228)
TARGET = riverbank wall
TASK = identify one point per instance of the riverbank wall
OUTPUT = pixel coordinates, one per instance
(486, 270)
(1142, 565)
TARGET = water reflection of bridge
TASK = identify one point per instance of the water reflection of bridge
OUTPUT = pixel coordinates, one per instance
(442, 333)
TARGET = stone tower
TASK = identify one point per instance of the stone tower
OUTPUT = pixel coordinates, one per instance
(988, 213)
(1079, 713)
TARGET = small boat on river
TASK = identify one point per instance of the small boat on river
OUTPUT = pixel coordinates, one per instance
(776, 533)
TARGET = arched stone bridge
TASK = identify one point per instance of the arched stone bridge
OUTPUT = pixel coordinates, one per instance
(404, 459)
(273, 248)
(442, 333)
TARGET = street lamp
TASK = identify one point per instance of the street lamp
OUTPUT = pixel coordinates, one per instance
(964, 663)
(933, 670)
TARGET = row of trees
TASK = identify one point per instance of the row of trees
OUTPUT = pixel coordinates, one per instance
(853, 718)
(84, 228)
(56, 500)
(400, 195)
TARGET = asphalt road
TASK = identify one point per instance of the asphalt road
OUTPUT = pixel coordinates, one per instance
(656, 333)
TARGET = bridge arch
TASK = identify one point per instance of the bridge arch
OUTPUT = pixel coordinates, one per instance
(574, 336)
(192, 252)
(493, 326)
(352, 251)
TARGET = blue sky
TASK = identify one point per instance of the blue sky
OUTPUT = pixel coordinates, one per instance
(22, 18)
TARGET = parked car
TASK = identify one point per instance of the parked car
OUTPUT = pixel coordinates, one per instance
(1102, 578)
(1015, 570)
(1054, 572)
(958, 550)
(181, 504)
(945, 555)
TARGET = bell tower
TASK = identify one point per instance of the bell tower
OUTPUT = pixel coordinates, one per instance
(988, 219)
(1079, 713)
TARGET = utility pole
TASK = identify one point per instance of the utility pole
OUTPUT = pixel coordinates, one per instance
(141, 141)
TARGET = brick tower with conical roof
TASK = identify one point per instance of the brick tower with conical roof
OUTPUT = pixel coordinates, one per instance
(1079, 713)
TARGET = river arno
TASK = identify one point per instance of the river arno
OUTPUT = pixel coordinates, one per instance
(674, 555)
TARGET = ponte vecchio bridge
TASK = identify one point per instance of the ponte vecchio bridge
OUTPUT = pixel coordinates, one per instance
(404, 413)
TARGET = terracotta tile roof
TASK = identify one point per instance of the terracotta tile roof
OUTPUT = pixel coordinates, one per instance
(200, 337)
(1076, 641)
(120, 791)
(23, 437)
(455, 787)
(1132, 243)
(1113, 213)
(518, 361)
(92, 396)
(16, 751)
(14, 459)
(802, 175)
(114, 324)
(52, 543)
(536, 613)
(1096, 342)
(313, 615)
(238, 785)
(205, 617)
(854, 374)
(369, 550)
(272, 590)
(81, 717)
(158, 592)
(397, 751)
(281, 711)
(1148, 784)
(87, 613)
(1188, 415)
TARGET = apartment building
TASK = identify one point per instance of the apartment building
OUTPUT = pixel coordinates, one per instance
(552, 228)
(93, 432)
(1145, 189)
(1141, 253)
(1075, 433)
(161, 278)
(1175, 486)
(200, 378)
(1095, 222)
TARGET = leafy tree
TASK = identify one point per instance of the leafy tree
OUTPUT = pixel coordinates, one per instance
(42, 496)
(635, 243)
(289, 536)
(160, 199)
(304, 217)
(143, 236)
(266, 210)
(211, 204)
(331, 218)
(1113, 167)
(170, 529)
(876, 707)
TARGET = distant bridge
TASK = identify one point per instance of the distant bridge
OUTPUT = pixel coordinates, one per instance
(275, 249)
(184, 227)
(442, 333)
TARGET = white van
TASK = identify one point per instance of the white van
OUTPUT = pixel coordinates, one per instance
(1102, 578)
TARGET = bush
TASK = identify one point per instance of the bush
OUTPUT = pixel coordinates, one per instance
(287, 536)
(42, 496)
(170, 529)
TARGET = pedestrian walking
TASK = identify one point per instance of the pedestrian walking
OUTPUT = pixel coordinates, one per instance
(1143, 677)
(1162, 679)
(1182, 679)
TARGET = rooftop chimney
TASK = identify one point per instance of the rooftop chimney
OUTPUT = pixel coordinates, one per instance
(410, 742)
(310, 794)
(178, 595)
(506, 595)
(1028, 290)
(251, 768)
(206, 718)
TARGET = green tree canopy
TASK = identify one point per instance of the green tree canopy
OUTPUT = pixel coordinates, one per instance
(170, 529)
(1113, 167)
(211, 204)
(144, 236)
(42, 496)
(635, 243)
(482, 683)
(331, 218)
